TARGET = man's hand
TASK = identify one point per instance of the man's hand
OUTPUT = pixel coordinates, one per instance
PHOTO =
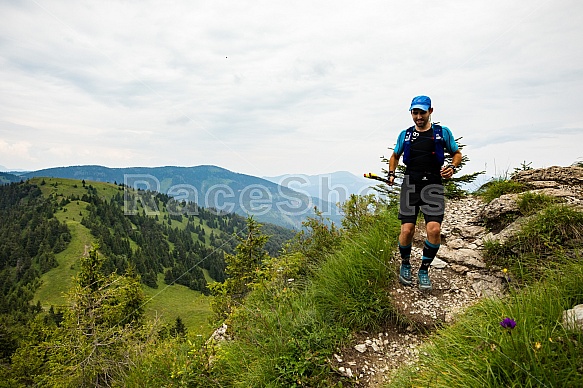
(447, 171)
(391, 177)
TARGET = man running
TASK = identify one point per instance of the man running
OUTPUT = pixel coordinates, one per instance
(422, 147)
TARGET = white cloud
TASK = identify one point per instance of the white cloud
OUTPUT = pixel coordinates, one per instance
(269, 88)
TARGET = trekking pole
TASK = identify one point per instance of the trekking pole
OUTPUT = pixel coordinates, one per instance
(370, 175)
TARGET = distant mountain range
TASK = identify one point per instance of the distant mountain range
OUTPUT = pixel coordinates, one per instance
(334, 187)
(216, 187)
(6, 177)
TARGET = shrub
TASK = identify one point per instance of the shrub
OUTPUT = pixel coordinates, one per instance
(529, 202)
(550, 238)
(497, 187)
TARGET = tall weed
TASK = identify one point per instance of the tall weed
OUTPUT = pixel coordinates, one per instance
(529, 202)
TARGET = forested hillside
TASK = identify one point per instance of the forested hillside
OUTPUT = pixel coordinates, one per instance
(30, 236)
(48, 226)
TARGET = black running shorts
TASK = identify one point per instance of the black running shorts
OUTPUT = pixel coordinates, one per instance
(421, 191)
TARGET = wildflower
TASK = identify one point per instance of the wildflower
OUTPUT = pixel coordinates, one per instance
(505, 270)
(537, 346)
(508, 323)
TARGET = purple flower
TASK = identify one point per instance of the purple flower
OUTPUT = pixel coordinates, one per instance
(508, 323)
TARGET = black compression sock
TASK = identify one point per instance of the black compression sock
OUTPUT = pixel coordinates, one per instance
(405, 252)
(429, 252)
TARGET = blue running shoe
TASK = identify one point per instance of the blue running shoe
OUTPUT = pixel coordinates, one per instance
(405, 275)
(424, 282)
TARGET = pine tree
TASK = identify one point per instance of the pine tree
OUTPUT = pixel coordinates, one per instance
(179, 329)
(99, 330)
(242, 269)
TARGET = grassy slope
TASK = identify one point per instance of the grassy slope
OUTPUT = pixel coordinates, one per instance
(284, 341)
(285, 336)
(165, 302)
(168, 302)
(59, 280)
(538, 352)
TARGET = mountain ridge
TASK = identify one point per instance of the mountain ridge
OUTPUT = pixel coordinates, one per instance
(335, 186)
(209, 186)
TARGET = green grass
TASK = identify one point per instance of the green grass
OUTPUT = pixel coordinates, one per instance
(530, 203)
(58, 280)
(349, 288)
(63, 187)
(478, 352)
(498, 187)
(168, 302)
(286, 332)
(549, 239)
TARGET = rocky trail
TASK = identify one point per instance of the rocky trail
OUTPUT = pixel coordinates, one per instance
(460, 277)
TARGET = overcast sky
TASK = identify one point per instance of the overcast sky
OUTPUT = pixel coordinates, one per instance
(276, 87)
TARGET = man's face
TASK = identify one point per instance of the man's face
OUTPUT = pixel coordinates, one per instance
(421, 117)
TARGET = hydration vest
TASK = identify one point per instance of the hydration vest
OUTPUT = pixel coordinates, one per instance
(437, 139)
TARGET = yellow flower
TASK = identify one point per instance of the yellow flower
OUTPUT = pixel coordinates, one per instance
(537, 346)
(505, 270)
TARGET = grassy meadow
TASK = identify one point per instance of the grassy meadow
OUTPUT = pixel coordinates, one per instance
(165, 303)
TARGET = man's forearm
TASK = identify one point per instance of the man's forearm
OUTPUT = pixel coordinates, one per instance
(457, 159)
(393, 162)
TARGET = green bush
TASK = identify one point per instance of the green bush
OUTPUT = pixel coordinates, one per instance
(497, 187)
(530, 203)
(548, 240)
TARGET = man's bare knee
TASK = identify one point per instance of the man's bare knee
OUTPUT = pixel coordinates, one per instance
(407, 233)
(434, 232)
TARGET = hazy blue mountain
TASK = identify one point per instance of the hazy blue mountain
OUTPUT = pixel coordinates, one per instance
(209, 186)
(6, 177)
(334, 187)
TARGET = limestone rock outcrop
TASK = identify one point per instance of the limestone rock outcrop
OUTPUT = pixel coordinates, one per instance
(573, 318)
(551, 176)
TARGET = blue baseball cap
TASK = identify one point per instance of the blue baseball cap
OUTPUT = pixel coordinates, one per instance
(421, 102)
